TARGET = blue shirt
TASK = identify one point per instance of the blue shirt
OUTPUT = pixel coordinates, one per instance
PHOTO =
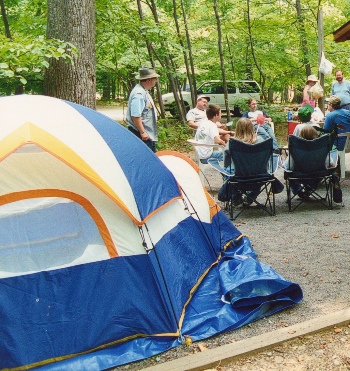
(341, 118)
(342, 91)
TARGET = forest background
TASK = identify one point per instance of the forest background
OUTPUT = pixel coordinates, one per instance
(75, 49)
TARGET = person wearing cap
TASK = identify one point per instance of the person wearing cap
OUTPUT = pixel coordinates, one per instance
(198, 114)
(141, 114)
(311, 81)
(339, 117)
(304, 115)
(341, 88)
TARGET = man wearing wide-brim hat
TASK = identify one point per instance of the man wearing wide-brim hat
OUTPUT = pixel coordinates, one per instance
(141, 115)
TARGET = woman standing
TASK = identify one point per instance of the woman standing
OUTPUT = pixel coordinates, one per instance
(311, 81)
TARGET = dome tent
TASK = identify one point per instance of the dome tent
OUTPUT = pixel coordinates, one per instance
(104, 246)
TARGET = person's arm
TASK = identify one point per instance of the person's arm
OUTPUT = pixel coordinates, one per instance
(138, 123)
(267, 117)
(306, 97)
(190, 117)
(137, 106)
(225, 132)
(218, 140)
(192, 124)
(328, 122)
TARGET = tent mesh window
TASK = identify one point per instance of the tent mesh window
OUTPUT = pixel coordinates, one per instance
(35, 236)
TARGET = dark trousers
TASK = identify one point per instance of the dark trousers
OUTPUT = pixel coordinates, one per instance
(149, 143)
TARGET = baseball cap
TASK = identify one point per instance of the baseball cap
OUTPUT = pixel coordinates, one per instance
(305, 112)
(334, 99)
(203, 96)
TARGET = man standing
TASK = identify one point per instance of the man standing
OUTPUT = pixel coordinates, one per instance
(341, 88)
(141, 115)
(339, 117)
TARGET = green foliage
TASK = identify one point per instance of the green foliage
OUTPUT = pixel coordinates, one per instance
(172, 135)
(25, 59)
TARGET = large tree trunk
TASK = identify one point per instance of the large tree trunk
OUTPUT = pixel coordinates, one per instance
(72, 21)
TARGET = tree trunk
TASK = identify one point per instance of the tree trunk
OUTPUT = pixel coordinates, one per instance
(187, 66)
(150, 54)
(222, 62)
(231, 57)
(302, 32)
(4, 17)
(173, 83)
(72, 21)
(262, 75)
(191, 76)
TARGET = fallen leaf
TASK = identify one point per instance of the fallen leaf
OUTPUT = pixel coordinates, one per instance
(333, 235)
(202, 347)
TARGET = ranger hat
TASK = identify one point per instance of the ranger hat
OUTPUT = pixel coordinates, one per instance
(146, 73)
(305, 112)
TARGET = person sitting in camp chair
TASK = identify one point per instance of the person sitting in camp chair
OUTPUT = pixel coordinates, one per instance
(308, 132)
(208, 134)
(246, 133)
(262, 122)
(304, 115)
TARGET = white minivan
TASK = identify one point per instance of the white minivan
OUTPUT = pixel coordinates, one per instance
(240, 89)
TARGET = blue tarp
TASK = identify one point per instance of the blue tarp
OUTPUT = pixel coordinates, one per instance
(236, 291)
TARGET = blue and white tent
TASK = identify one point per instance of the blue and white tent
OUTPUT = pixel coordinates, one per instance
(108, 253)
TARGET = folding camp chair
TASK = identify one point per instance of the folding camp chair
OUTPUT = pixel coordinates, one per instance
(202, 166)
(335, 138)
(250, 176)
(308, 159)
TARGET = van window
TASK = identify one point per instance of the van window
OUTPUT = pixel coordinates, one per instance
(249, 87)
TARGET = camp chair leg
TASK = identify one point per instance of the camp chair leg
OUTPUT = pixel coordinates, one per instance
(269, 206)
(326, 201)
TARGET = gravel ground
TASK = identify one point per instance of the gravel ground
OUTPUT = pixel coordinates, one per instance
(309, 246)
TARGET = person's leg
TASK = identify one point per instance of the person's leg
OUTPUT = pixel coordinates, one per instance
(218, 155)
(271, 134)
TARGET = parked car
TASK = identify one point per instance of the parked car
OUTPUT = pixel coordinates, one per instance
(241, 89)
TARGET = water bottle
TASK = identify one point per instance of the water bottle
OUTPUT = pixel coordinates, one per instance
(290, 115)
